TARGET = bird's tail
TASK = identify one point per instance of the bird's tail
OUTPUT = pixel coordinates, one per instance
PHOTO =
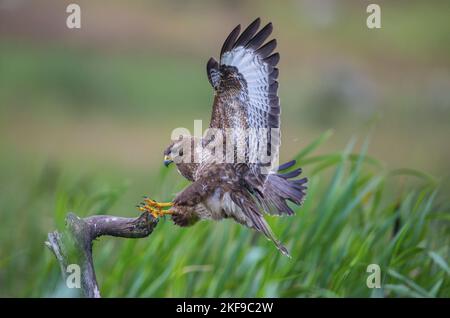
(281, 187)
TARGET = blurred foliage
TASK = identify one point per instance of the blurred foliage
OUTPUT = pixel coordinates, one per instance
(353, 217)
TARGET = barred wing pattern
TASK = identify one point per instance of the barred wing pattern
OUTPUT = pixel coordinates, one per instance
(245, 84)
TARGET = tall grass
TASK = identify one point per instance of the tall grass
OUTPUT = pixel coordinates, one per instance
(356, 213)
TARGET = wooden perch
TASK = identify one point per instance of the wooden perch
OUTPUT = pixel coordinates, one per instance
(74, 246)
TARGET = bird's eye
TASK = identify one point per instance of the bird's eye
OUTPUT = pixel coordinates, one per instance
(181, 152)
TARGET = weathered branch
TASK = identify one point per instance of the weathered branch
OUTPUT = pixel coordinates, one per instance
(74, 246)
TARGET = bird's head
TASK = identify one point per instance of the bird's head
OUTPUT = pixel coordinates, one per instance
(179, 151)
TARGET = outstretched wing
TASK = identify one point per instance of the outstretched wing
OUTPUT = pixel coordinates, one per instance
(245, 84)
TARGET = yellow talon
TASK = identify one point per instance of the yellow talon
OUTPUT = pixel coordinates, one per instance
(155, 208)
(155, 204)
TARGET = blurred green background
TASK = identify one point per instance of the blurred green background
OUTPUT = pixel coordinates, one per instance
(85, 115)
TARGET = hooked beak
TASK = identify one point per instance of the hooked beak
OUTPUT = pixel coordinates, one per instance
(167, 161)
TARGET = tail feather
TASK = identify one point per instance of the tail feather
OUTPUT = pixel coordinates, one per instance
(286, 165)
(291, 174)
(280, 188)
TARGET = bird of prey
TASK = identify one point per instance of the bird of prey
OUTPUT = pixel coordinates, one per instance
(243, 187)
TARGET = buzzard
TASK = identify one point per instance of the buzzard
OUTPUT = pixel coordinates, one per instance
(246, 115)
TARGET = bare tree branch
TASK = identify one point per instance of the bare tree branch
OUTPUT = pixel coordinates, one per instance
(74, 246)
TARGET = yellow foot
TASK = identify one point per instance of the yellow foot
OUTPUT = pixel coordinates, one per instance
(154, 208)
(158, 205)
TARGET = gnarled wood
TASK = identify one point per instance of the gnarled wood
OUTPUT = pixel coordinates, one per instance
(74, 245)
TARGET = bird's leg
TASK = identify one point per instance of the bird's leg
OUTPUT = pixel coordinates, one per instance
(154, 208)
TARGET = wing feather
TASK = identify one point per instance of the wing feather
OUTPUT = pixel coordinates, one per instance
(248, 33)
(255, 219)
(245, 81)
(267, 48)
(229, 42)
(212, 69)
(259, 38)
(273, 59)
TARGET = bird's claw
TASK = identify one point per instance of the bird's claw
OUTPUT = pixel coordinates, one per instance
(156, 204)
(154, 208)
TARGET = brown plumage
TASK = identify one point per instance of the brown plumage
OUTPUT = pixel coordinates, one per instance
(245, 97)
